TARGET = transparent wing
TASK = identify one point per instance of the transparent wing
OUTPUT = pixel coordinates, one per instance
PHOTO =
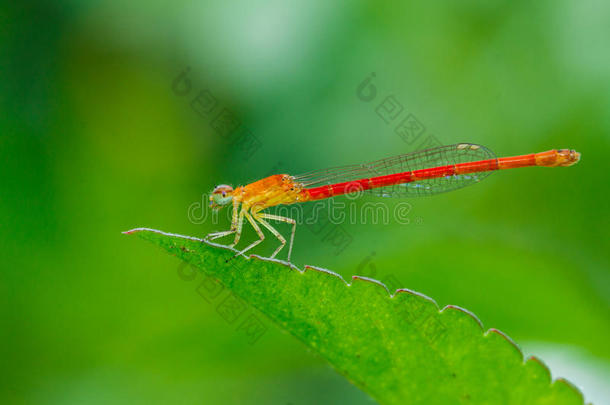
(424, 159)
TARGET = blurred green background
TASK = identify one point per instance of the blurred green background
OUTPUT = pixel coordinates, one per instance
(95, 140)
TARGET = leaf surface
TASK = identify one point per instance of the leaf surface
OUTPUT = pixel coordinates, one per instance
(398, 347)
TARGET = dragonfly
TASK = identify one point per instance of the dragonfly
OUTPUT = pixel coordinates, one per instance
(421, 173)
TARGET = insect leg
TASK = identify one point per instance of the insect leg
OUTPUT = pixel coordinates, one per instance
(287, 220)
(258, 231)
(216, 235)
(276, 233)
(240, 222)
(233, 229)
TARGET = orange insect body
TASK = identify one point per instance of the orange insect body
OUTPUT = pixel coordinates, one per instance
(269, 192)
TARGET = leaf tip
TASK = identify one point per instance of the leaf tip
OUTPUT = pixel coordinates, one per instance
(506, 338)
(540, 365)
(372, 281)
(134, 230)
(331, 273)
(417, 294)
(562, 383)
(465, 311)
(274, 260)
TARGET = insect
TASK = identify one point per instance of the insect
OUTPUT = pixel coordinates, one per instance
(420, 173)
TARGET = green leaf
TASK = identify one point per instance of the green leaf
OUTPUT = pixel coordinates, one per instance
(398, 348)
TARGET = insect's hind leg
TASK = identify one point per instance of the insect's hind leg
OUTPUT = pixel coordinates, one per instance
(282, 240)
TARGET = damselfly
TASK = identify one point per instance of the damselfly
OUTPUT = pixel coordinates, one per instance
(425, 172)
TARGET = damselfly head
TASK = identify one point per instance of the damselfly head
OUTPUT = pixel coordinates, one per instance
(221, 196)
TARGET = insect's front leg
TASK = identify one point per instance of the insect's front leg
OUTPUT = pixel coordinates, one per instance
(239, 225)
(232, 230)
(216, 235)
(234, 216)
